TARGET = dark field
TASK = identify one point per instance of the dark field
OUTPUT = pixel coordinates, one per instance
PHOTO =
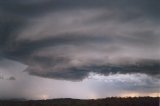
(136, 101)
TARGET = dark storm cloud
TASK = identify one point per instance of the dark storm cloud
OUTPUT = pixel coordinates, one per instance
(26, 9)
(25, 48)
(15, 14)
(79, 73)
(68, 39)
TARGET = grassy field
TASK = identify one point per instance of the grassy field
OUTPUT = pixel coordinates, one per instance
(136, 101)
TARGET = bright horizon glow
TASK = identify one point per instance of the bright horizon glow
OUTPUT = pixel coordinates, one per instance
(88, 88)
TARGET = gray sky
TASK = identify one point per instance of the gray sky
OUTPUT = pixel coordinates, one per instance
(79, 48)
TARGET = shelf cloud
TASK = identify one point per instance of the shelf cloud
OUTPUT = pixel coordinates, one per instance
(70, 39)
(96, 42)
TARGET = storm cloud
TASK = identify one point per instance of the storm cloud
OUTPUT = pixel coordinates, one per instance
(69, 39)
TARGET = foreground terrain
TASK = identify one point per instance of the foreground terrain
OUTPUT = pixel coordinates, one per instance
(136, 101)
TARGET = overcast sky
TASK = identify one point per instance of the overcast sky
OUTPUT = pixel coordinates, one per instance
(79, 48)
